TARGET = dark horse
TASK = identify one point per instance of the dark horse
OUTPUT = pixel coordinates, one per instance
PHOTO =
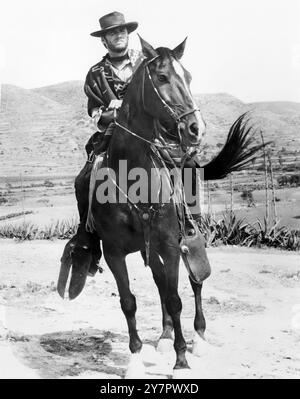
(159, 124)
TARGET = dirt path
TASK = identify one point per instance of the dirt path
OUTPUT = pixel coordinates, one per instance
(249, 302)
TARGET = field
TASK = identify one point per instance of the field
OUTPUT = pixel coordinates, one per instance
(249, 302)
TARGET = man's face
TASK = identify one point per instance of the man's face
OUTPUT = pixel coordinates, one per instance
(116, 39)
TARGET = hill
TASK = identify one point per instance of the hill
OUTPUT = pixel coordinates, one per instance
(38, 134)
(67, 93)
(219, 112)
(43, 130)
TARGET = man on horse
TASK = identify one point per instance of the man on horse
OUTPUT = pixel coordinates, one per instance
(105, 87)
(158, 126)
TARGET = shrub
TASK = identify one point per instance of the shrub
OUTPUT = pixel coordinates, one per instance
(62, 229)
(228, 230)
(231, 230)
(247, 195)
(289, 180)
(48, 183)
(3, 200)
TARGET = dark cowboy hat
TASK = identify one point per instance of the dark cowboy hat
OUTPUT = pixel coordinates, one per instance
(113, 20)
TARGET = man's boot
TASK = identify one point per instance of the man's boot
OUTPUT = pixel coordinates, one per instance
(82, 253)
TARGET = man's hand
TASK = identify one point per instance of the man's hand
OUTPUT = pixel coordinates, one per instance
(107, 117)
(114, 104)
(96, 115)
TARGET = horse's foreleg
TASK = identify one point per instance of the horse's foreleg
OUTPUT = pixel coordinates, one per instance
(199, 321)
(174, 307)
(165, 342)
(96, 254)
(117, 265)
(199, 343)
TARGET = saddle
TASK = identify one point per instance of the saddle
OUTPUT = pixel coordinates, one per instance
(193, 254)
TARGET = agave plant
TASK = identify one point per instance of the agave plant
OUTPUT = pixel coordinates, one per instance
(231, 230)
(228, 230)
(23, 231)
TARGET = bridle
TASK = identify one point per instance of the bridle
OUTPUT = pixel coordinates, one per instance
(168, 109)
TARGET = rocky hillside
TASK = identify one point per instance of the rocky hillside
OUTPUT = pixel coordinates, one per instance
(43, 131)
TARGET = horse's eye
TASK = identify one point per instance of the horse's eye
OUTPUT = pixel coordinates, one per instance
(162, 78)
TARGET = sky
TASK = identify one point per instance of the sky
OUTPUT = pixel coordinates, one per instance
(247, 48)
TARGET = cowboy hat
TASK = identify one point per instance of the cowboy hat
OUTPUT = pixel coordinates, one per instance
(113, 20)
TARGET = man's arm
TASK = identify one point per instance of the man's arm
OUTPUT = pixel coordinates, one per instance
(102, 118)
(98, 108)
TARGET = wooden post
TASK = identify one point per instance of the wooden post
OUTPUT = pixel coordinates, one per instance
(266, 179)
(231, 193)
(22, 197)
(208, 199)
(273, 188)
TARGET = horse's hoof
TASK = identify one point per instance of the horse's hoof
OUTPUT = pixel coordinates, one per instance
(165, 345)
(136, 368)
(183, 374)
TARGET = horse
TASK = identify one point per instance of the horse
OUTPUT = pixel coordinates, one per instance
(159, 124)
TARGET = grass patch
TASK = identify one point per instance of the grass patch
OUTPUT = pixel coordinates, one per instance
(233, 230)
(13, 215)
(62, 229)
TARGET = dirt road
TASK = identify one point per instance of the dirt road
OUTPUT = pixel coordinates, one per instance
(250, 303)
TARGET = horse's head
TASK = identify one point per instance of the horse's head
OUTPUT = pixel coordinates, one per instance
(167, 96)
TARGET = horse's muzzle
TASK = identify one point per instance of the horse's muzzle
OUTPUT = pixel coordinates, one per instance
(192, 132)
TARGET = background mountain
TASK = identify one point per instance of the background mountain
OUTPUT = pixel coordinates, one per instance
(43, 131)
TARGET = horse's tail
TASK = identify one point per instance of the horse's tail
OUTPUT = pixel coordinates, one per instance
(236, 152)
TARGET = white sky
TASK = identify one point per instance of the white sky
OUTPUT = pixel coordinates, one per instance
(248, 48)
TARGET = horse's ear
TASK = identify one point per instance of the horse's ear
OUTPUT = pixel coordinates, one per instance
(147, 49)
(179, 50)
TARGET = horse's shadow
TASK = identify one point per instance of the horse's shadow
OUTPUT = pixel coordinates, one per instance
(85, 351)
